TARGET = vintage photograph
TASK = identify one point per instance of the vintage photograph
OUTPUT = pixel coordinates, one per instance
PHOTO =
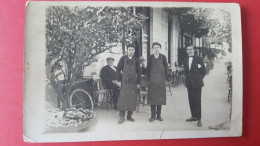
(144, 71)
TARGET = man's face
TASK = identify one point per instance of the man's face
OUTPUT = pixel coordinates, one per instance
(156, 49)
(190, 51)
(130, 51)
(110, 62)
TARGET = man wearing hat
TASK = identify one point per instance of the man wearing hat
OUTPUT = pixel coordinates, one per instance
(110, 77)
(142, 65)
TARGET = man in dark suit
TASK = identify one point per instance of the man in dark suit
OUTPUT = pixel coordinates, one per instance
(110, 78)
(195, 71)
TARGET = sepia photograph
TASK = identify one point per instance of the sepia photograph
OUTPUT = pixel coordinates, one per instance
(98, 71)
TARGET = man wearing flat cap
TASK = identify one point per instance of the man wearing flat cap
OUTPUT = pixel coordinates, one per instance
(142, 65)
(110, 78)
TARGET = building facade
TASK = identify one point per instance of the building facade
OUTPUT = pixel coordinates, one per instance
(162, 25)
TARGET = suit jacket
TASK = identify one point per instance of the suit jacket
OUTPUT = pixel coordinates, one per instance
(108, 75)
(194, 76)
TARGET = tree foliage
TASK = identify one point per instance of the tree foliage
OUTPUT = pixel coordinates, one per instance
(218, 22)
(76, 35)
(212, 24)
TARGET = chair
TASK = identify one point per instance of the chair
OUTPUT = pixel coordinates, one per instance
(230, 89)
(168, 84)
(180, 75)
(102, 95)
(175, 78)
(143, 91)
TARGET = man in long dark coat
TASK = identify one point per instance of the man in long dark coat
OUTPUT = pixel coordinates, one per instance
(110, 78)
(195, 71)
(130, 82)
(157, 70)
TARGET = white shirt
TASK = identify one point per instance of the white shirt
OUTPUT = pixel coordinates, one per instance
(190, 61)
(113, 68)
(156, 56)
(130, 57)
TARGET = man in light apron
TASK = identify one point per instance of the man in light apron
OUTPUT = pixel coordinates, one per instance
(157, 69)
(130, 82)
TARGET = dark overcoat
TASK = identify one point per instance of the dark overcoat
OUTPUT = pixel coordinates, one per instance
(108, 75)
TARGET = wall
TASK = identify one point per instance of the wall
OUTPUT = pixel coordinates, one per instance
(159, 29)
(175, 40)
(97, 66)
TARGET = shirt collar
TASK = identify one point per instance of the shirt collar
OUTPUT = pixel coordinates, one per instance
(131, 57)
(156, 56)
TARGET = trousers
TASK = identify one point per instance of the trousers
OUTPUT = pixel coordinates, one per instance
(115, 96)
(156, 109)
(194, 95)
(122, 114)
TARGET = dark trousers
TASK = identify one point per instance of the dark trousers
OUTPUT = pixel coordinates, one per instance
(156, 109)
(194, 95)
(122, 114)
(116, 92)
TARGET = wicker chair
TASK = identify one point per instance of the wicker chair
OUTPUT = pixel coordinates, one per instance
(103, 95)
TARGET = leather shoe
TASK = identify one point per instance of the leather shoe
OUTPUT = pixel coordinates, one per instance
(199, 123)
(121, 120)
(130, 119)
(151, 119)
(160, 118)
(192, 119)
